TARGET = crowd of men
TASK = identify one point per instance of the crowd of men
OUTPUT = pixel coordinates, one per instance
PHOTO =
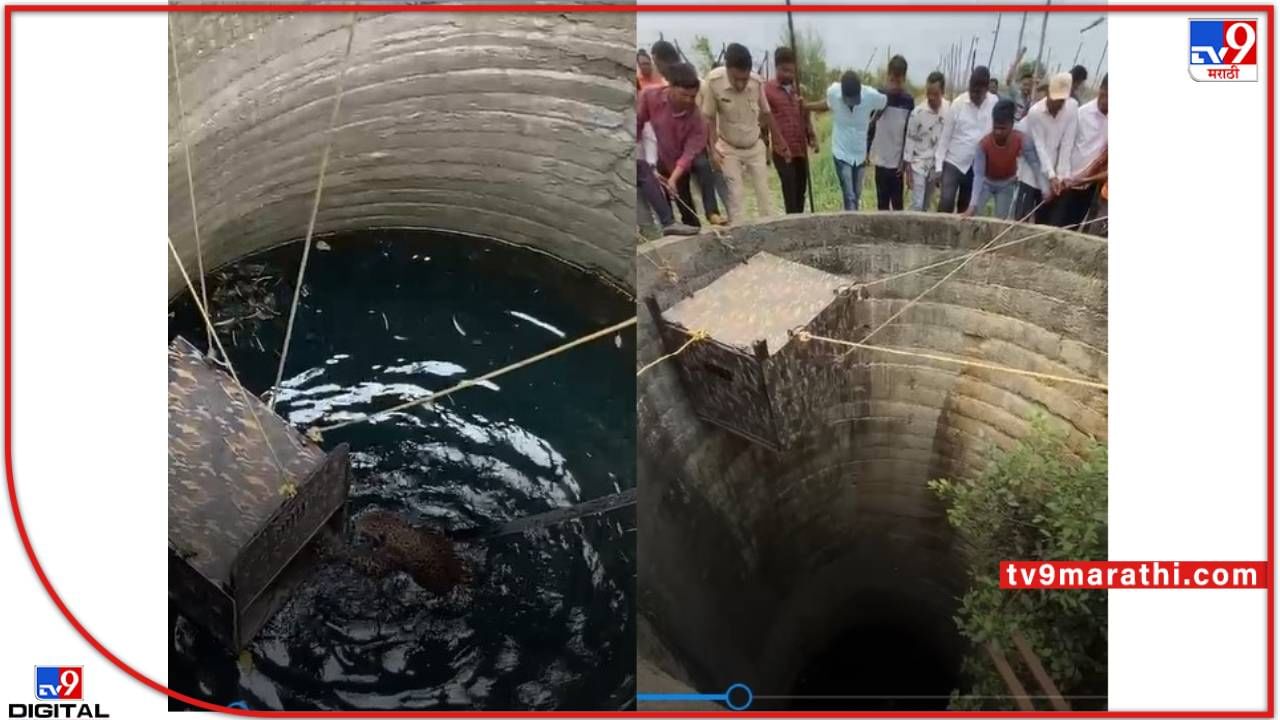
(1037, 155)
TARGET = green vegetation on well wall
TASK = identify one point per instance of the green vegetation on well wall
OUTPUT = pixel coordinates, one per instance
(1037, 501)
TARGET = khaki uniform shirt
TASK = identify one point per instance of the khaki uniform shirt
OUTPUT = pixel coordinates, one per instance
(737, 114)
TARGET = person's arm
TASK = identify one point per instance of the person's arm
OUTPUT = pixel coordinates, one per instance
(694, 144)
(902, 166)
(948, 124)
(1048, 159)
(1097, 170)
(1013, 69)
(642, 114)
(808, 125)
(709, 140)
(817, 106)
(909, 140)
(1068, 146)
(1029, 155)
(879, 101)
(909, 146)
(979, 196)
(771, 128)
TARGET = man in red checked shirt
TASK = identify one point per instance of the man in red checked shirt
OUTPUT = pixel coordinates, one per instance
(795, 127)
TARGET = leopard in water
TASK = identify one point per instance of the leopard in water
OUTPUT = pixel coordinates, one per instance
(386, 542)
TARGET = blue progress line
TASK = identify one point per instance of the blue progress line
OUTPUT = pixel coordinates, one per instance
(726, 697)
(680, 697)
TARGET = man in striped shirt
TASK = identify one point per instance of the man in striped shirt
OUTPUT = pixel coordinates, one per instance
(795, 128)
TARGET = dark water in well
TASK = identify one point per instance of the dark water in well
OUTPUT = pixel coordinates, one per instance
(386, 317)
(884, 660)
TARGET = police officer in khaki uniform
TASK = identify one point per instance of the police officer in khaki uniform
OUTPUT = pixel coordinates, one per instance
(734, 104)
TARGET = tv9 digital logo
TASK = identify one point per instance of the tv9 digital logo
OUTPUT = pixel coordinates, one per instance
(1224, 50)
(59, 683)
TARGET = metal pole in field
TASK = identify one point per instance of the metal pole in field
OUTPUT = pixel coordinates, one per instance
(1097, 74)
(1077, 57)
(791, 31)
(995, 37)
(1044, 26)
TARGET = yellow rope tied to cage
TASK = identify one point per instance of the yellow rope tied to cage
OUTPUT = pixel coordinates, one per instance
(806, 336)
(696, 336)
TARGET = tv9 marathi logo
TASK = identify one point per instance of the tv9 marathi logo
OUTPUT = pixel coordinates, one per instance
(1224, 50)
(59, 683)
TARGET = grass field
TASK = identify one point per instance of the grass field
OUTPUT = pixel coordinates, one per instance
(826, 188)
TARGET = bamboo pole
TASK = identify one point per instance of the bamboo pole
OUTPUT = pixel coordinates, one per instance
(995, 37)
(791, 31)
(1097, 74)
(1044, 26)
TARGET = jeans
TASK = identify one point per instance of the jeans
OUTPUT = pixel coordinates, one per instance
(956, 189)
(652, 193)
(921, 189)
(1003, 191)
(888, 188)
(794, 178)
(850, 177)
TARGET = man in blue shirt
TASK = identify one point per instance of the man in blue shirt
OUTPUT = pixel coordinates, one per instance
(851, 106)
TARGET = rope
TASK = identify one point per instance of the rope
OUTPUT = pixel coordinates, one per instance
(287, 488)
(878, 281)
(316, 433)
(186, 151)
(663, 267)
(339, 84)
(954, 270)
(805, 336)
(695, 337)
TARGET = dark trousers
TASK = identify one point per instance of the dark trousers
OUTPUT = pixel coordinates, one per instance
(888, 188)
(1029, 197)
(652, 192)
(1073, 206)
(794, 177)
(702, 172)
(957, 187)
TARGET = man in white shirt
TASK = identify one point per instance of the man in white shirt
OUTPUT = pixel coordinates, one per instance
(967, 121)
(1090, 141)
(1051, 125)
(924, 129)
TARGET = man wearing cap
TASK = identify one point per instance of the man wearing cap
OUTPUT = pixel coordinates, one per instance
(968, 120)
(851, 106)
(1051, 125)
(734, 104)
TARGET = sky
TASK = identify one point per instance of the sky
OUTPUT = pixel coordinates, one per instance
(850, 39)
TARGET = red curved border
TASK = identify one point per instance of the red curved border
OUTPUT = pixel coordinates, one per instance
(1266, 10)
